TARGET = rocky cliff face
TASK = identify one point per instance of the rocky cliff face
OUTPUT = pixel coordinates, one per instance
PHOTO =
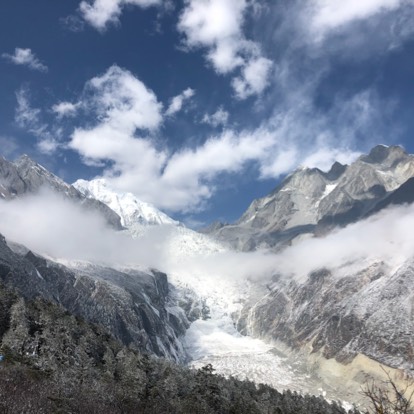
(27, 177)
(310, 201)
(134, 306)
(366, 311)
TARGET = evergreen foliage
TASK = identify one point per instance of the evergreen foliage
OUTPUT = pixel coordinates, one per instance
(57, 363)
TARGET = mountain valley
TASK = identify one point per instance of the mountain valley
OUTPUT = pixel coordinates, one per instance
(314, 281)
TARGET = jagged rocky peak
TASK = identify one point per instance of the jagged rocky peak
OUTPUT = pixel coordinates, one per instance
(383, 154)
(131, 210)
(336, 171)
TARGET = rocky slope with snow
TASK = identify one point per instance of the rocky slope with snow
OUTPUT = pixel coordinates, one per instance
(310, 201)
(135, 306)
(341, 314)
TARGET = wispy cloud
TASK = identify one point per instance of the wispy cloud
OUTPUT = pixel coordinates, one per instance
(73, 23)
(29, 118)
(328, 15)
(101, 13)
(25, 57)
(217, 26)
(177, 102)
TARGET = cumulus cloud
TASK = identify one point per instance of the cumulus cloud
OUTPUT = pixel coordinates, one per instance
(254, 78)
(129, 115)
(220, 117)
(217, 26)
(177, 102)
(27, 58)
(65, 109)
(101, 13)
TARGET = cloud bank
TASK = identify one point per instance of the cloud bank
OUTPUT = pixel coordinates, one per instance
(61, 229)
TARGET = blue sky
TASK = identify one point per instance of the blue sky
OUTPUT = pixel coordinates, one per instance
(200, 106)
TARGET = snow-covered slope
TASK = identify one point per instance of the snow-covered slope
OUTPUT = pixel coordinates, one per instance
(172, 240)
(131, 210)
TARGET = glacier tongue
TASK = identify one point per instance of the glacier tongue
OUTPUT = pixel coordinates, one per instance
(131, 210)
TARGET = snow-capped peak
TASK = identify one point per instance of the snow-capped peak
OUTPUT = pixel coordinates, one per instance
(131, 210)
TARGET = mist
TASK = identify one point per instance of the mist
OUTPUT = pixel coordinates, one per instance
(61, 229)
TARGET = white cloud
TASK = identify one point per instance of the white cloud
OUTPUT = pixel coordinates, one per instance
(65, 109)
(48, 145)
(81, 235)
(128, 115)
(330, 14)
(220, 117)
(217, 25)
(178, 101)
(101, 13)
(125, 108)
(122, 102)
(254, 78)
(27, 58)
(382, 237)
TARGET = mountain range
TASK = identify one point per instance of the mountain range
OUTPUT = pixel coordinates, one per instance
(310, 201)
(346, 314)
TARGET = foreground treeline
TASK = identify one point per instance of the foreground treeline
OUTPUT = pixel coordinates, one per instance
(57, 363)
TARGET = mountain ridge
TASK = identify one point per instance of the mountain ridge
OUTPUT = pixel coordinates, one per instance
(309, 201)
(26, 176)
